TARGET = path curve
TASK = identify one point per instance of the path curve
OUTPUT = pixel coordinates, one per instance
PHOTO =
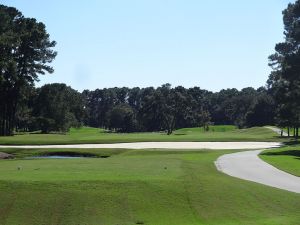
(278, 131)
(162, 145)
(248, 166)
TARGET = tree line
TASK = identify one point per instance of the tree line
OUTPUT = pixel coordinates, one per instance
(57, 107)
(26, 52)
(166, 108)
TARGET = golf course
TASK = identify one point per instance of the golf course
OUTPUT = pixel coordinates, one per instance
(141, 186)
(149, 112)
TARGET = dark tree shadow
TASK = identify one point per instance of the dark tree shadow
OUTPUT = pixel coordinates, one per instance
(291, 143)
(287, 153)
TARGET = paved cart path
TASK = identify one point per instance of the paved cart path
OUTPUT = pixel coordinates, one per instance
(248, 166)
(278, 131)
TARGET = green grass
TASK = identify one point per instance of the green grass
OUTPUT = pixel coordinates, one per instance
(286, 158)
(216, 128)
(152, 187)
(94, 135)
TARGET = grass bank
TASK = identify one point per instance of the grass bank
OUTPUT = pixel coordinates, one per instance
(286, 158)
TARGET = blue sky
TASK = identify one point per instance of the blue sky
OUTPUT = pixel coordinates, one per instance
(211, 44)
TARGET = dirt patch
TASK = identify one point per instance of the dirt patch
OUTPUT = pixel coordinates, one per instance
(4, 155)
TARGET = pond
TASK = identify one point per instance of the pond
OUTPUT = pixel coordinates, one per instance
(56, 157)
(66, 156)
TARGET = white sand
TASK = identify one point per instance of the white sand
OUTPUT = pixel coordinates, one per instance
(163, 145)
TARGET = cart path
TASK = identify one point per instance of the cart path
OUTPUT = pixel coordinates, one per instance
(248, 166)
(278, 131)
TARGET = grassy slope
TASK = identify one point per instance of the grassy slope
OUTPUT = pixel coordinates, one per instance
(285, 158)
(136, 187)
(93, 135)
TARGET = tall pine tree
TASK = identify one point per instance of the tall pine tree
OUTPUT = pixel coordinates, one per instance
(25, 51)
(285, 78)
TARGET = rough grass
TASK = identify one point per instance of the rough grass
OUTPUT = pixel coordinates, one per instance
(136, 187)
(94, 135)
(285, 158)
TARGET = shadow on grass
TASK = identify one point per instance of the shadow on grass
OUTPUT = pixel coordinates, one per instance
(291, 143)
(286, 153)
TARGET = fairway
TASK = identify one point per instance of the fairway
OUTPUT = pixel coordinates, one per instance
(88, 135)
(135, 187)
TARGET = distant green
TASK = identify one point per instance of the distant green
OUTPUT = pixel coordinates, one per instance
(94, 135)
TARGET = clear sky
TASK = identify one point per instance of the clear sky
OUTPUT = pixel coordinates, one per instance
(107, 43)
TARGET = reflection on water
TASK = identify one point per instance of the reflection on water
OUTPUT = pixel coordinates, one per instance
(54, 157)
